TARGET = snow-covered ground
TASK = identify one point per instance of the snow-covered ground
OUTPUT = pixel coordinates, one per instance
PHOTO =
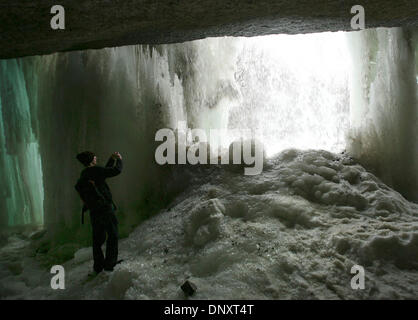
(293, 232)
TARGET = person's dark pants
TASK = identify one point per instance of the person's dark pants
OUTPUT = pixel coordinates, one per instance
(104, 223)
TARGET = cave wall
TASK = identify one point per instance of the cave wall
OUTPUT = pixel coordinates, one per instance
(25, 26)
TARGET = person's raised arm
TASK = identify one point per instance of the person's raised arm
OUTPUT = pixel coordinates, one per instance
(110, 170)
(110, 163)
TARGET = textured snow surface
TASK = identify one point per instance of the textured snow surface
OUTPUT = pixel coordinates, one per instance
(293, 232)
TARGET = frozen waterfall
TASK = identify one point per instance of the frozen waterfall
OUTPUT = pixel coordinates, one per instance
(333, 91)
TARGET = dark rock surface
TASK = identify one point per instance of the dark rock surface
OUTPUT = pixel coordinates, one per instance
(25, 25)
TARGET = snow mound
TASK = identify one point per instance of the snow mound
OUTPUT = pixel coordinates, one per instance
(292, 232)
(204, 222)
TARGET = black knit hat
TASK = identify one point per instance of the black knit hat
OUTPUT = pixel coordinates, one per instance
(85, 157)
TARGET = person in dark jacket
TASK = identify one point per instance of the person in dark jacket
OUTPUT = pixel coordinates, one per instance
(105, 221)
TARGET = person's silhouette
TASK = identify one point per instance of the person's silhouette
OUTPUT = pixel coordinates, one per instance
(103, 221)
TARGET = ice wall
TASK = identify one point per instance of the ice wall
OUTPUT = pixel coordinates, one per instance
(21, 189)
(384, 109)
(115, 100)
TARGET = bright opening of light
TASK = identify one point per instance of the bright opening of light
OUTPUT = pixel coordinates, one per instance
(294, 91)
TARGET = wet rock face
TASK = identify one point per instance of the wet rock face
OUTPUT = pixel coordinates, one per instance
(90, 24)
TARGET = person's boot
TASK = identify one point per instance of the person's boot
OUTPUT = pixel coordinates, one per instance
(110, 269)
(93, 274)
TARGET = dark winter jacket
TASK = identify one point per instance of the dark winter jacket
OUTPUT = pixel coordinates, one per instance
(99, 174)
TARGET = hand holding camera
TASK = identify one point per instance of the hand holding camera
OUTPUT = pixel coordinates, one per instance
(116, 155)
